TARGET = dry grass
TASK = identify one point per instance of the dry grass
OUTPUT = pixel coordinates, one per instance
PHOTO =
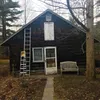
(4, 61)
(71, 87)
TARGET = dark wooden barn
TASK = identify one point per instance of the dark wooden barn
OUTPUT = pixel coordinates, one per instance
(53, 40)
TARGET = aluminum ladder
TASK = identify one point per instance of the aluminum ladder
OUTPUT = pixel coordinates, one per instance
(27, 48)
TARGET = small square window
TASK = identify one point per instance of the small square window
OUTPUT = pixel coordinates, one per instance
(37, 54)
(48, 17)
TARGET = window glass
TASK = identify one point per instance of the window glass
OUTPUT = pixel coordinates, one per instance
(37, 55)
(51, 62)
(50, 53)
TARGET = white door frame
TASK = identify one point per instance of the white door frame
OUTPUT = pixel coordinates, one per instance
(50, 70)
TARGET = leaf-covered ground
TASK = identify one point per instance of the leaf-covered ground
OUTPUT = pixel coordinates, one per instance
(21, 88)
(72, 87)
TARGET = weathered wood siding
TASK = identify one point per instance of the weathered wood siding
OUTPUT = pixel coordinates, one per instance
(68, 41)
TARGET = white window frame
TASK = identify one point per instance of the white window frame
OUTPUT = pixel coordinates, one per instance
(42, 54)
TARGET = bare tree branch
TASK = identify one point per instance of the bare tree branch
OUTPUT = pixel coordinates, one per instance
(60, 6)
(76, 19)
(53, 5)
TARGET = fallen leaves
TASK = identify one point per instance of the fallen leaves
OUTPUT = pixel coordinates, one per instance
(21, 89)
(72, 87)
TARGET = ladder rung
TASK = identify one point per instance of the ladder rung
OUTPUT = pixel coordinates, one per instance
(23, 68)
(22, 72)
(22, 64)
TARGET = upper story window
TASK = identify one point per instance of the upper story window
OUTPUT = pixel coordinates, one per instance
(48, 30)
(48, 17)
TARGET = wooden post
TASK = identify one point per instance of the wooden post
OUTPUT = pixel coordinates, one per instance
(90, 63)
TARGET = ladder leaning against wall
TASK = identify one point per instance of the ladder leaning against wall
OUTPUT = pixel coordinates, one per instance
(25, 62)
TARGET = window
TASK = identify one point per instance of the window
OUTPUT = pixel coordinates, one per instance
(37, 54)
(50, 53)
(49, 30)
(48, 17)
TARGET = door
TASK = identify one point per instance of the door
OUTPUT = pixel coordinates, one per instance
(50, 60)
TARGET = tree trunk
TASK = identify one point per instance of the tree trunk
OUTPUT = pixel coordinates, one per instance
(90, 63)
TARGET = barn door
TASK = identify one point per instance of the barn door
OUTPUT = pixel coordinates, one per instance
(50, 60)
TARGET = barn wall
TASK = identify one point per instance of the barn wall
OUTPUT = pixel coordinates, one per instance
(68, 41)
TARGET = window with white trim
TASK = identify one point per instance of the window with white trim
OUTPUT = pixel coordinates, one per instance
(37, 54)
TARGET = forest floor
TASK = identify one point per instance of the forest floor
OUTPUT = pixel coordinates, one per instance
(73, 87)
(24, 88)
(19, 88)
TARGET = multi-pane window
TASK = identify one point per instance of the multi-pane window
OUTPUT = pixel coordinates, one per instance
(37, 54)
